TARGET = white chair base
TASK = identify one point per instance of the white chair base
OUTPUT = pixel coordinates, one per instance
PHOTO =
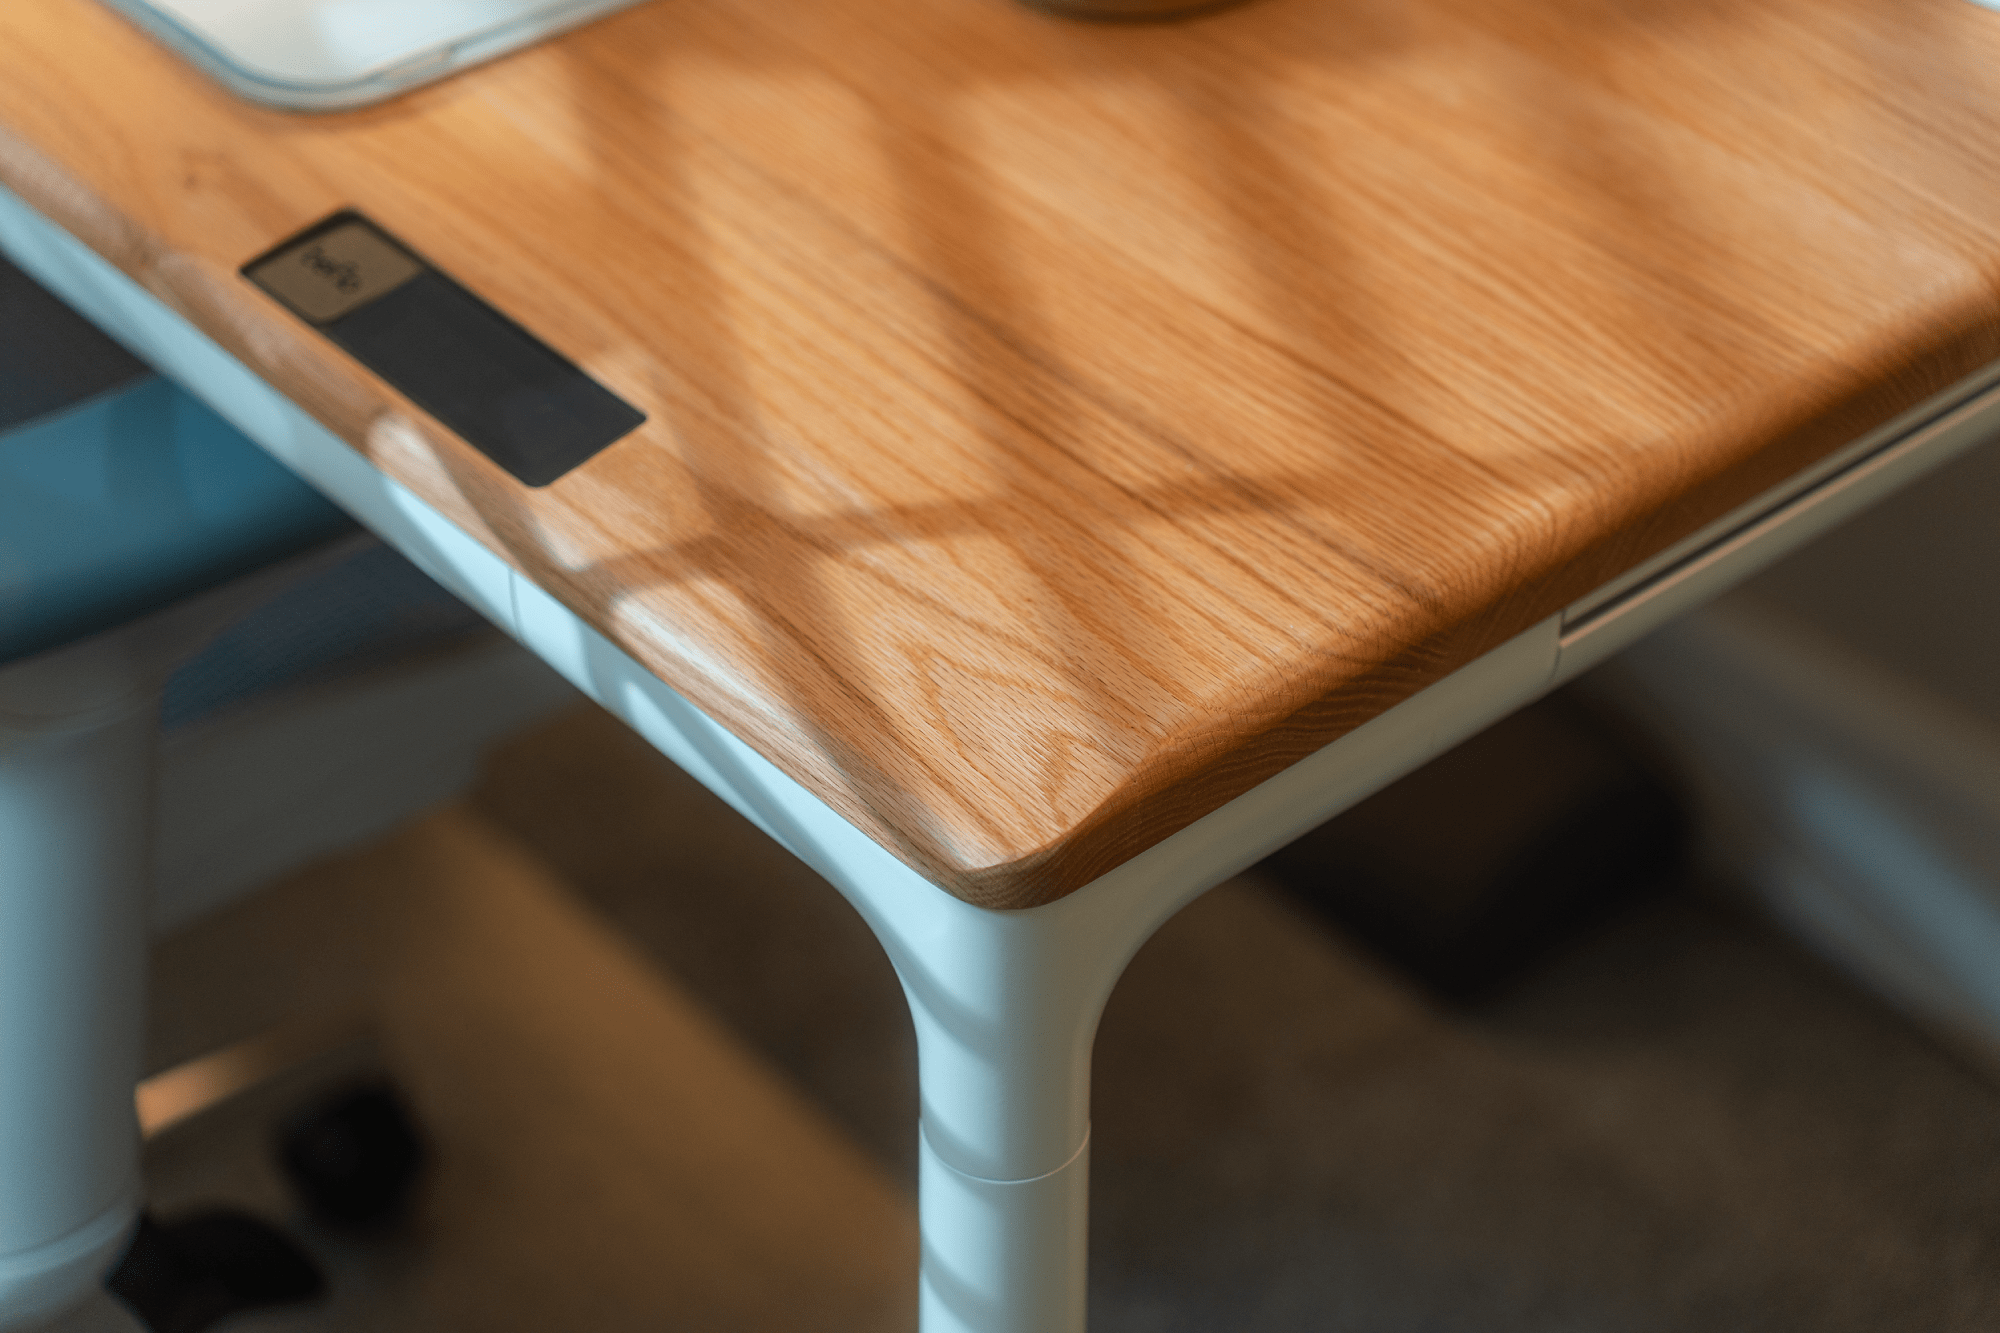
(76, 793)
(80, 791)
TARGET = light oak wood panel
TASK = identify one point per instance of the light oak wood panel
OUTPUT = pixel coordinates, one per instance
(1057, 429)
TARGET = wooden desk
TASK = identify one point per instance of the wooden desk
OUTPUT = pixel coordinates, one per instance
(1057, 431)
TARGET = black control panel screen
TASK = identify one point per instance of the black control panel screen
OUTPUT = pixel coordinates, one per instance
(501, 389)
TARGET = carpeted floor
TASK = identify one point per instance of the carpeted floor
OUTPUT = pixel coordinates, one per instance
(670, 1082)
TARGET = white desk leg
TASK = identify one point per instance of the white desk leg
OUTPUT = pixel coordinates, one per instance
(1004, 1031)
(1005, 1004)
(1003, 1255)
(76, 787)
(1006, 1007)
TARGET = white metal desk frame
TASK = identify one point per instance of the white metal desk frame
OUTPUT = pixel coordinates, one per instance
(1005, 1003)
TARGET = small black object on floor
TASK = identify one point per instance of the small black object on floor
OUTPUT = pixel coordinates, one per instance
(354, 1156)
(1474, 868)
(182, 1276)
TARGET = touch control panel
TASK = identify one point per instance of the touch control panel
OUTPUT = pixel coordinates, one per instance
(501, 389)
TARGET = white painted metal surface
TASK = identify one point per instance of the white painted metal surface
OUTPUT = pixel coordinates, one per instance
(328, 55)
(76, 738)
(1005, 1003)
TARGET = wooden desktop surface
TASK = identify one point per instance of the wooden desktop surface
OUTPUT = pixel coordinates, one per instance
(1057, 429)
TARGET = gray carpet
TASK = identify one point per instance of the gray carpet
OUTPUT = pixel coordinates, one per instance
(1680, 1124)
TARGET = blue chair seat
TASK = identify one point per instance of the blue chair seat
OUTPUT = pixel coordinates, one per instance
(130, 501)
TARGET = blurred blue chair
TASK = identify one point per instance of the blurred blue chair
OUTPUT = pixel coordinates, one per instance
(131, 501)
(161, 577)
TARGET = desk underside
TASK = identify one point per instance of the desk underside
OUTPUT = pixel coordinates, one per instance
(1056, 429)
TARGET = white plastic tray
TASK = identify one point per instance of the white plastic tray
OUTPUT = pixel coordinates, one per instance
(331, 55)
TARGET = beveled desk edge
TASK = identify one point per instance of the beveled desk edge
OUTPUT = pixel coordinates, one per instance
(1187, 774)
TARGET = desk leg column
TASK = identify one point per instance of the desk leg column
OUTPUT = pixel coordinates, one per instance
(1006, 1007)
(75, 811)
(1003, 1256)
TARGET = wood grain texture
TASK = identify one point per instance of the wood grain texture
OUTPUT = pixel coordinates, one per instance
(1057, 429)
